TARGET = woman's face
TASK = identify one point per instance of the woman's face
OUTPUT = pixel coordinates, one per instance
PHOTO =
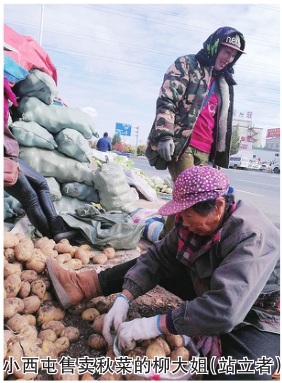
(204, 224)
(225, 56)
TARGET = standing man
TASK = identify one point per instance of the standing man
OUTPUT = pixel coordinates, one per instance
(193, 123)
(104, 144)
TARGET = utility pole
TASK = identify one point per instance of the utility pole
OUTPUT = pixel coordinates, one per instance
(41, 24)
(137, 135)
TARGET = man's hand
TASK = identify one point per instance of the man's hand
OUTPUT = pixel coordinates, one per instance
(166, 148)
(115, 317)
(138, 329)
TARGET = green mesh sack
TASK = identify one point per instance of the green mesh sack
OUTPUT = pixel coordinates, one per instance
(32, 134)
(73, 144)
(37, 84)
(54, 117)
(51, 163)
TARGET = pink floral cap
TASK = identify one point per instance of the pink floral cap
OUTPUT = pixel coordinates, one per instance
(193, 185)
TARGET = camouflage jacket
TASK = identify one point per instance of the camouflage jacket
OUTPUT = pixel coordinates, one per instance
(182, 95)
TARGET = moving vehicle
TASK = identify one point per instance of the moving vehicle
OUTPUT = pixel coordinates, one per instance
(275, 167)
(238, 162)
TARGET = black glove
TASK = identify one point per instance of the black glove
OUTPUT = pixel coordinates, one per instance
(166, 148)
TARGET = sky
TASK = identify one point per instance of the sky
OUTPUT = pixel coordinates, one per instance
(111, 58)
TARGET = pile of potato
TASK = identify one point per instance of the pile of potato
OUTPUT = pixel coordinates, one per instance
(32, 317)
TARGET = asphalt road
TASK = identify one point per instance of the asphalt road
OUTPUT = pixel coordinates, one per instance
(261, 189)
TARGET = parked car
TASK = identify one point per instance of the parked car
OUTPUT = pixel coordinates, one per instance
(275, 168)
(238, 161)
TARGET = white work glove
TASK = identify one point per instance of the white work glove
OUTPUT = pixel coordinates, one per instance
(138, 329)
(116, 315)
(166, 148)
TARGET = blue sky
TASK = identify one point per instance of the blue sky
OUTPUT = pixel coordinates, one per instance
(111, 58)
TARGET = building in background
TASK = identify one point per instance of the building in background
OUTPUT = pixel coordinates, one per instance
(248, 132)
(273, 139)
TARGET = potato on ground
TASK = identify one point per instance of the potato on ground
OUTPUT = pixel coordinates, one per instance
(9, 255)
(13, 306)
(89, 315)
(155, 350)
(74, 264)
(62, 344)
(54, 325)
(38, 288)
(29, 275)
(99, 259)
(98, 323)
(63, 247)
(25, 289)
(97, 342)
(49, 311)
(71, 332)
(47, 334)
(28, 332)
(37, 262)
(12, 285)
(10, 240)
(31, 304)
(49, 348)
(24, 250)
(174, 340)
(12, 268)
(164, 345)
(82, 255)
(109, 252)
(17, 322)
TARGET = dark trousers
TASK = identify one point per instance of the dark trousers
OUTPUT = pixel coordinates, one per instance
(32, 191)
(246, 343)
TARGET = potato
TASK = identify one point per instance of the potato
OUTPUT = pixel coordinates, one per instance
(180, 352)
(82, 255)
(109, 252)
(12, 268)
(14, 351)
(174, 340)
(63, 257)
(61, 247)
(99, 259)
(44, 242)
(29, 275)
(49, 253)
(38, 288)
(71, 332)
(12, 285)
(25, 289)
(31, 304)
(137, 351)
(37, 262)
(97, 342)
(13, 306)
(100, 305)
(10, 239)
(9, 254)
(62, 344)
(47, 297)
(17, 322)
(86, 247)
(30, 318)
(49, 311)
(47, 334)
(90, 314)
(49, 348)
(8, 335)
(28, 332)
(74, 264)
(54, 325)
(24, 250)
(155, 350)
(98, 323)
(164, 345)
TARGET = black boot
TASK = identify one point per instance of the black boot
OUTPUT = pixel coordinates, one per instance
(61, 230)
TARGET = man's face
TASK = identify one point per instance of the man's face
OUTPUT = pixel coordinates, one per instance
(225, 56)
